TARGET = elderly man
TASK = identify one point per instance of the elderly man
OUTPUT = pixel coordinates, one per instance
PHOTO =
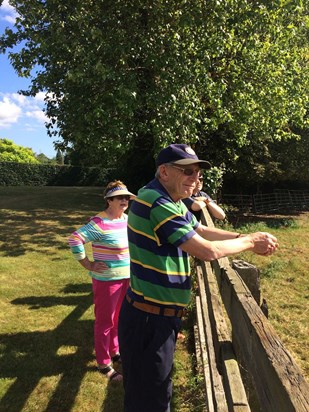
(162, 235)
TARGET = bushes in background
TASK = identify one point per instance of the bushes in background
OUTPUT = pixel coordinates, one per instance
(25, 174)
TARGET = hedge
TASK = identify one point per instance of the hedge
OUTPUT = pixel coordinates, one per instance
(25, 174)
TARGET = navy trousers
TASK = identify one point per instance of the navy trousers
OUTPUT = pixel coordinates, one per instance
(147, 345)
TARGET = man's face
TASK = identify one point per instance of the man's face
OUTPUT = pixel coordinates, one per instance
(181, 180)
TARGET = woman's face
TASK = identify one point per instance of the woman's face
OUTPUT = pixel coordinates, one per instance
(119, 202)
(200, 184)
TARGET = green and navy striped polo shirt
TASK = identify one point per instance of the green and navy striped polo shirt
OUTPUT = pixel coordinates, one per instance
(157, 226)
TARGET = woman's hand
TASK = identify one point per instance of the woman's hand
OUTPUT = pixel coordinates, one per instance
(98, 267)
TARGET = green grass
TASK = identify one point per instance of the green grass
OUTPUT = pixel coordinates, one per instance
(285, 281)
(47, 360)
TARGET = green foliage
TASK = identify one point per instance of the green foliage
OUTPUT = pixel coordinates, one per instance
(59, 157)
(292, 156)
(224, 76)
(271, 270)
(20, 174)
(214, 179)
(11, 152)
(273, 162)
(271, 223)
(43, 159)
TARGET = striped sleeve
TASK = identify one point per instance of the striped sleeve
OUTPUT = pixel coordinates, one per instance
(80, 237)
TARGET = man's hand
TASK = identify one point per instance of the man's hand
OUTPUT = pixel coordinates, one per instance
(263, 243)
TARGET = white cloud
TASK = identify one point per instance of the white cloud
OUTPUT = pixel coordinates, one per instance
(9, 113)
(8, 13)
(38, 115)
(14, 106)
(32, 127)
(40, 97)
(19, 98)
(6, 6)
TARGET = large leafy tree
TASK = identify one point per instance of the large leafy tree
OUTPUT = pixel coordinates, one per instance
(11, 152)
(125, 78)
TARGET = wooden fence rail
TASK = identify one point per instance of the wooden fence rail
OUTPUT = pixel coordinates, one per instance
(234, 335)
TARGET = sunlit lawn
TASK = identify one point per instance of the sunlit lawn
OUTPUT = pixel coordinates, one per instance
(285, 281)
(46, 315)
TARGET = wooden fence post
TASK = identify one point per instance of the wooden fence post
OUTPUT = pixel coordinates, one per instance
(250, 274)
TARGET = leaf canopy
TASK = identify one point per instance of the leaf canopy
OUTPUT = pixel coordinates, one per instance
(123, 79)
(11, 152)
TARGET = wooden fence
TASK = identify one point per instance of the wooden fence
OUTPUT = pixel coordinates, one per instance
(279, 201)
(233, 335)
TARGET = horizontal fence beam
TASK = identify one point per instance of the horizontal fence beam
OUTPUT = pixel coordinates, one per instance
(224, 368)
(277, 379)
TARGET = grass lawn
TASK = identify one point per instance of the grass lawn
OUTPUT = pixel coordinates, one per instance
(47, 360)
(285, 281)
(46, 316)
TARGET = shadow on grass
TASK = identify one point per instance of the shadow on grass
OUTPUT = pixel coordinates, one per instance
(43, 217)
(29, 357)
(42, 231)
(114, 392)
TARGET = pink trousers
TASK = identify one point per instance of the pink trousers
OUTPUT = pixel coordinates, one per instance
(107, 298)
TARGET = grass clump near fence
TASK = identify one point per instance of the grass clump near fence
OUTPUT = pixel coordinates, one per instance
(47, 361)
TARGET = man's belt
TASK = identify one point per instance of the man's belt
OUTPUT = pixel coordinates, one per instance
(156, 310)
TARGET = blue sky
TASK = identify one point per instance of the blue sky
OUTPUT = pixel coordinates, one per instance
(21, 118)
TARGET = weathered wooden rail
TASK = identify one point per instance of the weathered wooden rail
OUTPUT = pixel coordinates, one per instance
(233, 336)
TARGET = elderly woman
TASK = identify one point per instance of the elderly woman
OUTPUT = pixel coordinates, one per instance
(200, 199)
(109, 270)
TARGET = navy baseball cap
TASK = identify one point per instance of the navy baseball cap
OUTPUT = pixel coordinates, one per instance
(180, 154)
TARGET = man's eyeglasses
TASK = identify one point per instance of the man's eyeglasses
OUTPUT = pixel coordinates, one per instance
(186, 172)
(122, 197)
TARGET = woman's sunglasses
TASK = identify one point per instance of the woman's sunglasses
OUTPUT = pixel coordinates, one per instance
(122, 197)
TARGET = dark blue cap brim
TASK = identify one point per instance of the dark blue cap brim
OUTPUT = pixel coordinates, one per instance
(202, 163)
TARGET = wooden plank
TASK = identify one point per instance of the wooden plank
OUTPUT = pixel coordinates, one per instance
(204, 357)
(279, 382)
(250, 275)
(221, 333)
(233, 385)
(219, 395)
(198, 351)
(234, 389)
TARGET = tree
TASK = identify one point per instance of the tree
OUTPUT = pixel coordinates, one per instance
(126, 78)
(42, 158)
(59, 157)
(11, 152)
